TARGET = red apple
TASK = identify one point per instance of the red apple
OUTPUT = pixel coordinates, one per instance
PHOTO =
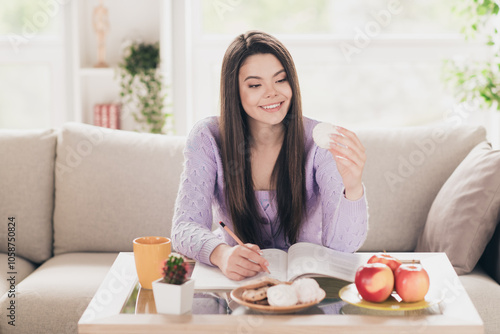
(387, 259)
(374, 282)
(411, 282)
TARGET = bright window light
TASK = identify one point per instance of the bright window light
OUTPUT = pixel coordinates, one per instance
(24, 104)
(360, 63)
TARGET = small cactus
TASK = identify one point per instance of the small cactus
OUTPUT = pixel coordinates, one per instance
(175, 270)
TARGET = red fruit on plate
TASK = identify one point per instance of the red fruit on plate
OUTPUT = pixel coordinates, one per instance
(411, 282)
(374, 282)
(387, 259)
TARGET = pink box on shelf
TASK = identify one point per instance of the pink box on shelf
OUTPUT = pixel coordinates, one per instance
(97, 115)
(105, 115)
(114, 116)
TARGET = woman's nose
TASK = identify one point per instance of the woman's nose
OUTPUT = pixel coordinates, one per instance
(271, 92)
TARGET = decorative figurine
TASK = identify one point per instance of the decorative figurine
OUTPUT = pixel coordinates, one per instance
(101, 27)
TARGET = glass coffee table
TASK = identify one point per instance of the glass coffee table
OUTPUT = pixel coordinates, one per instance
(121, 306)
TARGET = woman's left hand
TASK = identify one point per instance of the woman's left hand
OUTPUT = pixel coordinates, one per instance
(349, 154)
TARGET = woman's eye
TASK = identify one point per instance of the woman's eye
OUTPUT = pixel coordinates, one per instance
(254, 86)
(282, 80)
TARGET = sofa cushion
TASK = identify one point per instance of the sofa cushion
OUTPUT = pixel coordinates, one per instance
(404, 171)
(490, 260)
(465, 212)
(22, 269)
(53, 298)
(485, 295)
(113, 186)
(27, 191)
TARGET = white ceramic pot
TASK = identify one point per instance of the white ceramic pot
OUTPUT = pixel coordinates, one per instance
(173, 298)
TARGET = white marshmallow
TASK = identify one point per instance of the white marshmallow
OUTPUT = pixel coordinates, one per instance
(307, 290)
(321, 134)
(282, 295)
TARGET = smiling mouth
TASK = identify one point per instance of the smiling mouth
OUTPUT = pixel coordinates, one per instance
(272, 107)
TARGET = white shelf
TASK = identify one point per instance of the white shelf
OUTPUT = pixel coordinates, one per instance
(128, 20)
(101, 72)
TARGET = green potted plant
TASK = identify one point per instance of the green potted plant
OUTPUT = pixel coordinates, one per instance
(142, 90)
(174, 291)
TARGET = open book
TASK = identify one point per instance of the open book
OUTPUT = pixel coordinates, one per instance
(302, 260)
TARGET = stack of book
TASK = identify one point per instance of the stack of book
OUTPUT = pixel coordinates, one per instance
(107, 115)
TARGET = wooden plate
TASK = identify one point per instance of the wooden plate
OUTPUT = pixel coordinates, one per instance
(350, 294)
(236, 296)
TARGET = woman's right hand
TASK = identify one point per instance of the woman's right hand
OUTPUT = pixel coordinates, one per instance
(238, 262)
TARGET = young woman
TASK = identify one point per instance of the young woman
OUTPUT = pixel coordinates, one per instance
(257, 169)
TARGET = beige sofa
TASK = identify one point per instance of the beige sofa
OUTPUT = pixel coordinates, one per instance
(80, 194)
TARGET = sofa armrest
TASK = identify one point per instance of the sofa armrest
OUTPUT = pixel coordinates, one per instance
(490, 260)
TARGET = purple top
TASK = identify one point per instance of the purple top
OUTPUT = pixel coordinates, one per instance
(331, 219)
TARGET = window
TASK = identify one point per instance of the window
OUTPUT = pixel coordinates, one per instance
(24, 103)
(366, 62)
(32, 89)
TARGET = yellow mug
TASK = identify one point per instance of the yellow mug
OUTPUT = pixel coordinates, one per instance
(150, 253)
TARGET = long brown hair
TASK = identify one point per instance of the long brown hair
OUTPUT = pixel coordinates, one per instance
(288, 172)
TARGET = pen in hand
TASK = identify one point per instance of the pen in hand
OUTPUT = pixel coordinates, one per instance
(235, 237)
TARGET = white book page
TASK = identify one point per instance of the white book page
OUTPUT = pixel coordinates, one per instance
(207, 278)
(278, 263)
(316, 260)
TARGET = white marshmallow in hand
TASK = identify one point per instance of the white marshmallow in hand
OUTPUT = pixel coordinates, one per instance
(321, 134)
